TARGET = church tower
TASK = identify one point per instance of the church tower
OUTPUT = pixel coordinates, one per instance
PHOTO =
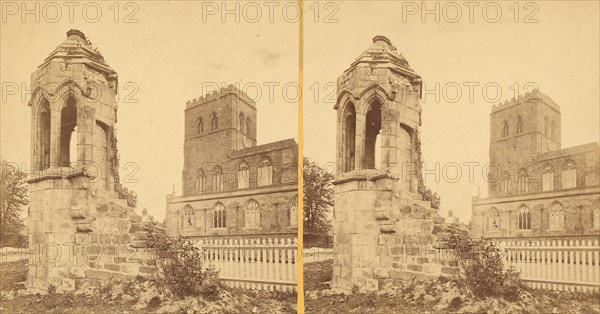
(216, 125)
(377, 202)
(521, 129)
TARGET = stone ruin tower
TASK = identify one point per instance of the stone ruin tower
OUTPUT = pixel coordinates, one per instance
(383, 229)
(76, 219)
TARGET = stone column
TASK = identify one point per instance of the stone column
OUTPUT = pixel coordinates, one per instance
(359, 153)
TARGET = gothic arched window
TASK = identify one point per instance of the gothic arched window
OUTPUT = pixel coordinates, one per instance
(218, 178)
(519, 125)
(214, 121)
(68, 132)
(188, 218)
(524, 218)
(44, 129)
(200, 126)
(557, 217)
(219, 216)
(553, 130)
(523, 181)
(505, 129)
(252, 214)
(265, 172)
(242, 120)
(243, 175)
(349, 136)
(505, 184)
(546, 126)
(548, 178)
(294, 211)
(569, 175)
(249, 128)
(493, 219)
(200, 181)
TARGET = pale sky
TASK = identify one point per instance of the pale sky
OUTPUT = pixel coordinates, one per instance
(175, 47)
(169, 53)
(560, 54)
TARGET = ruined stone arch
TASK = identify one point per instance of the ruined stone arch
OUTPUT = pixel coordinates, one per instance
(372, 131)
(68, 130)
(43, 133)
(348, 145)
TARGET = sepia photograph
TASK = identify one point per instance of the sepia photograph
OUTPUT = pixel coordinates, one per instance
(296, 156)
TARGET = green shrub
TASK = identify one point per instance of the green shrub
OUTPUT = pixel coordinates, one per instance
(480, 267)
(180, 267)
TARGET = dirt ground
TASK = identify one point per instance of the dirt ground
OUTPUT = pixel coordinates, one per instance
(132, 297)
(432, 297)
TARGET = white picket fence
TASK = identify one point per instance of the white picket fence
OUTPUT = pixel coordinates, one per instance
(565, 265)
(258, 264)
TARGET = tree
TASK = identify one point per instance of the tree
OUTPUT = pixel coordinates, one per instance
(13, 196)
(318, 197)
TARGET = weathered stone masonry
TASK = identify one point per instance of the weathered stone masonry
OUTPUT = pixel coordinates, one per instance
(79, 228)
(383, 229)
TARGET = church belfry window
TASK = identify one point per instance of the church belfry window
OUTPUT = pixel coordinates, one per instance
(200, 126)
(249, 128)
(553, 130)
(546, 126)
(519, 125)
(214, 121)
(242, 119)
(505, 129)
